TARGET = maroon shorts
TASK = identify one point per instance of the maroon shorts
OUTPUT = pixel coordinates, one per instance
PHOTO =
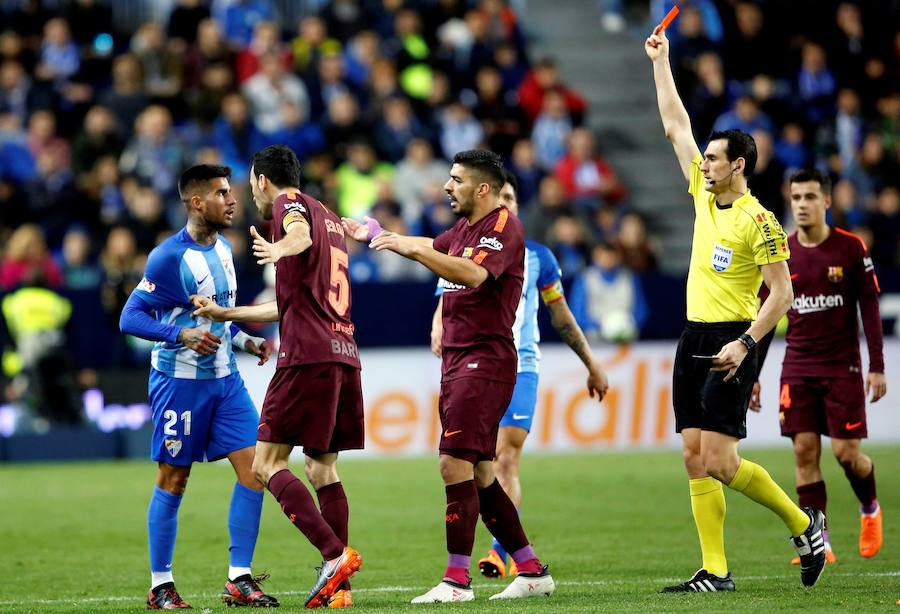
(828, 406)
(317, 406)
(470, 409)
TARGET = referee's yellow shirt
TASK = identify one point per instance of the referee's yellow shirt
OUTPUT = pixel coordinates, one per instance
(730, 244)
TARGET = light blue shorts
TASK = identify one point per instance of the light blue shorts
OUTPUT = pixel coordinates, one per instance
(521, 409)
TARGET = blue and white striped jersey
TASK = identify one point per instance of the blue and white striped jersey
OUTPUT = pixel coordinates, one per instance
(176, 269)
(543, 279)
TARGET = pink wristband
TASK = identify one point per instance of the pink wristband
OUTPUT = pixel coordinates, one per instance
(375, 228)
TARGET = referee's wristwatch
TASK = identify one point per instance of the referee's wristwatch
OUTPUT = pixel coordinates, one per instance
(748, 341)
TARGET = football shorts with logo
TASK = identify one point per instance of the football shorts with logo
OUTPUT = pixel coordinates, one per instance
(834, 406)
(197, 418)
(470, 409)
(520, 412)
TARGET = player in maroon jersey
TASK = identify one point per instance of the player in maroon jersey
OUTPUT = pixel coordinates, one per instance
(315, 397)
(822, 390)
(482, 258)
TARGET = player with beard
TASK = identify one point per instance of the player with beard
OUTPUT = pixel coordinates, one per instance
(482, 260)
(200, 405)
(315, 398)
(822, 390)
(542, 279)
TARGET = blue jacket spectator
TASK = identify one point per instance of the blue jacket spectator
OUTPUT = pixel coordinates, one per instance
(607, 299)
(239, 18)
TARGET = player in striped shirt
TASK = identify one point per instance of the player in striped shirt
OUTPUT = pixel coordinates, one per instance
(200, 405)
(542, 277)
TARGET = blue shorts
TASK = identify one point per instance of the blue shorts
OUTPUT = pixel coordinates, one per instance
(193, 418)
(520, 412)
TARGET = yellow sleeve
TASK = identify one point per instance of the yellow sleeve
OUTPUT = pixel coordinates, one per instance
(766, 237)
(697, 179)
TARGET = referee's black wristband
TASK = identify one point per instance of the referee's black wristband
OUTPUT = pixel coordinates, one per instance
(748, 341)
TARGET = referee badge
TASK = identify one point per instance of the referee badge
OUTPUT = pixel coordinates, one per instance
(721, 257)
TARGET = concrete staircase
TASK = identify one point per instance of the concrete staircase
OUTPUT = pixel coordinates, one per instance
(614, 74)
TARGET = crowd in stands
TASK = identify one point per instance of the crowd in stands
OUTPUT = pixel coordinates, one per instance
(97, 122)
(817, 83)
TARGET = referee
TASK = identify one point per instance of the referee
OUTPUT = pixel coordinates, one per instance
(737, 243)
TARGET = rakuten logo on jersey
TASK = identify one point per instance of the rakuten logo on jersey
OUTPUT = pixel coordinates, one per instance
(820, 302)
(490, 243)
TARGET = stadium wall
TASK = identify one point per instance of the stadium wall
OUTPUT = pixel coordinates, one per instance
(401, 393)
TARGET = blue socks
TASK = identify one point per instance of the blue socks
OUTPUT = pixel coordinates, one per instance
(499, 550)
(243, 524)
(162, 526)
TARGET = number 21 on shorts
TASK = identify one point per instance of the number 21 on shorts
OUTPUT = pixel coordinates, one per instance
(171, 419)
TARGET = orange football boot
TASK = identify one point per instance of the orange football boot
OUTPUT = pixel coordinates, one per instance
(341, 599)
(492, 566)
(871, 535)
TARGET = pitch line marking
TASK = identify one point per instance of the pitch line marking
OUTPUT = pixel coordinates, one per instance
(410, 589)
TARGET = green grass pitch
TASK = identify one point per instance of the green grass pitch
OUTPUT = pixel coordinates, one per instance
(614, 527)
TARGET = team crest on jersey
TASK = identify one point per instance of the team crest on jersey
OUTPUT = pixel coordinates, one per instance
(173, 446)
(721, 257)
(146, 285)
(467, 252)
(835, 274)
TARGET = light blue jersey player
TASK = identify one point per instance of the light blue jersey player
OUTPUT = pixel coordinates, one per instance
(200, 406)
(542, 279)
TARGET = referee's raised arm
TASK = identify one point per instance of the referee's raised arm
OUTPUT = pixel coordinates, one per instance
(675, 118)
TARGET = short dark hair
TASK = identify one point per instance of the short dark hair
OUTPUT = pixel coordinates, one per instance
(485, 163)
(279, 164)
(201, 173)
(813, 174)
(510, 178)
(739, 145)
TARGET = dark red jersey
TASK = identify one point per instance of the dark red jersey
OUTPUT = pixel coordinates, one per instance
(478, 338)
(313, 288)
(829, 281)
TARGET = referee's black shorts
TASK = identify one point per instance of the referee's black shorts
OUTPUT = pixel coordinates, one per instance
(700, 396)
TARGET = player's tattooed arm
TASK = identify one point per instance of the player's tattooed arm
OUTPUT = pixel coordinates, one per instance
(206, 308)
(565, 324)
(201, 341)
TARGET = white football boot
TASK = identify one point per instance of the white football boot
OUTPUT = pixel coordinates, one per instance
(526, 585)
(445, 592)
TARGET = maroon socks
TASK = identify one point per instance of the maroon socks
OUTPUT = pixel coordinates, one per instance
(298, 505)
(336, 512)
(461, 518)
(864, 488)
(502, 519)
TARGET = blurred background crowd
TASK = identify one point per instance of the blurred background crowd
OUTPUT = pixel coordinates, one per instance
(102, 105)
